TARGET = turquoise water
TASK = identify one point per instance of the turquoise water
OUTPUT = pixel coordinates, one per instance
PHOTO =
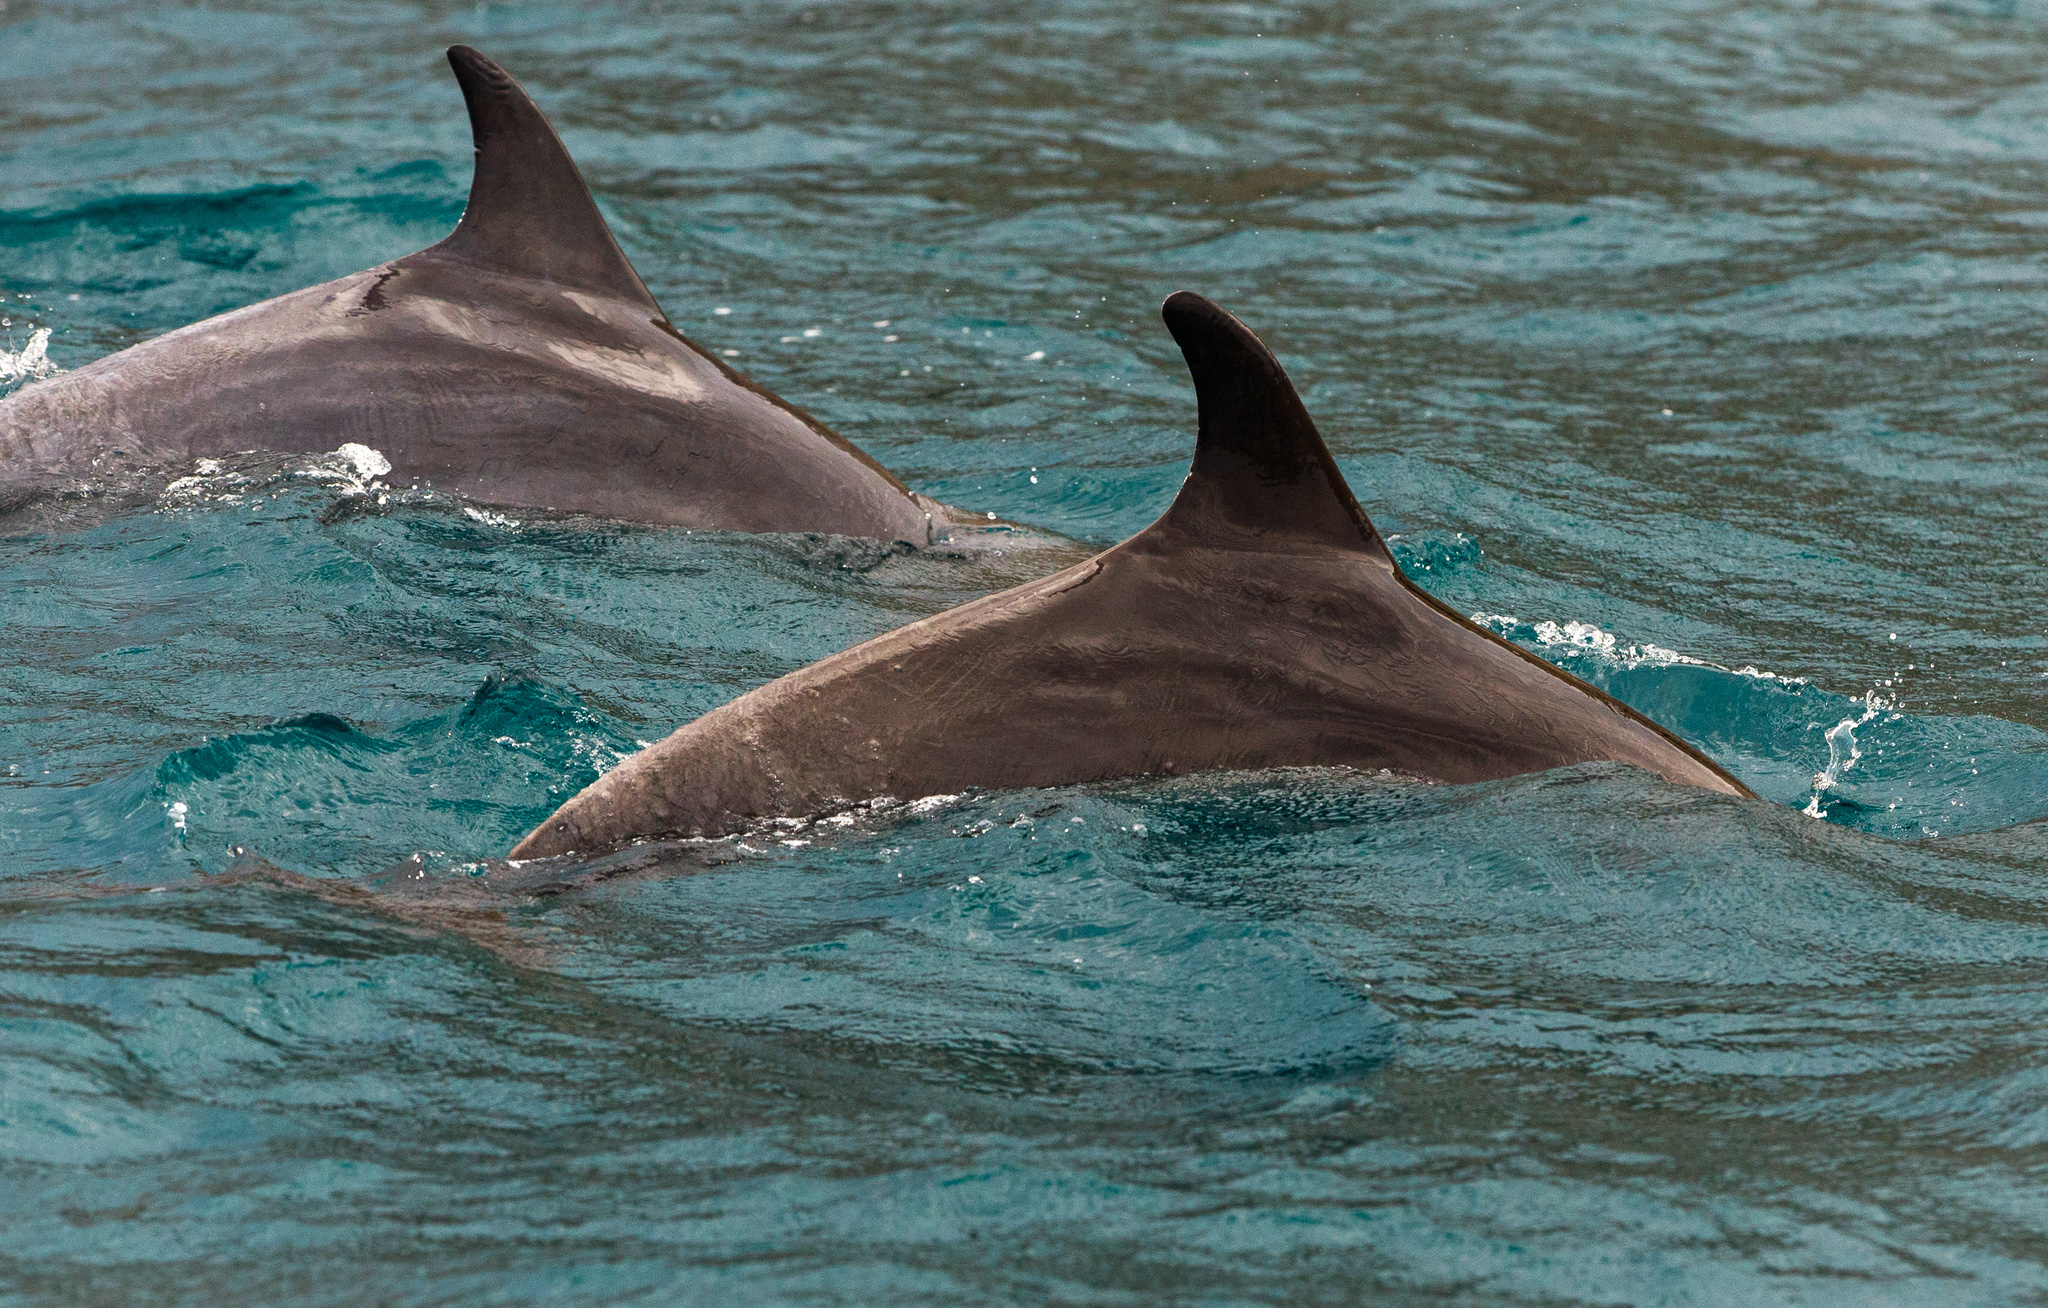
(1695, 346)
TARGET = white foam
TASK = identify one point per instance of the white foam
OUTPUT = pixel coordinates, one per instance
(371, 463)
(355, 468)
(208, 484)
(31, 362)
(1609, 648)
(1586, 636)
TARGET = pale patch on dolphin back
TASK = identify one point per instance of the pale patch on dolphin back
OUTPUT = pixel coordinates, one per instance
(632, 370)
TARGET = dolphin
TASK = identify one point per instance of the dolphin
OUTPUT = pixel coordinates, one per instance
(1261, 622)
(521, 361)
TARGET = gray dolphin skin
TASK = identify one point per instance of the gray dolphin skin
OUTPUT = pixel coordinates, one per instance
(1260, 623)
(521, 361)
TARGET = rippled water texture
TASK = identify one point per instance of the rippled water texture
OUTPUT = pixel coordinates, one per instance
(1693, 346)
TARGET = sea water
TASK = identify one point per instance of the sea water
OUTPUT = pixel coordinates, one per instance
(1696, 347)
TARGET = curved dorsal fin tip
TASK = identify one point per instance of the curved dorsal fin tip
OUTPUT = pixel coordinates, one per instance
(496, 101)
(1199, 323)
(1259, 463)
(1247, 404)
(484, 80)
(529, 212)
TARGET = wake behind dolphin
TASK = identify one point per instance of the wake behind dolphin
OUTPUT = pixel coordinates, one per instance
(521, 361)
(1261, 622)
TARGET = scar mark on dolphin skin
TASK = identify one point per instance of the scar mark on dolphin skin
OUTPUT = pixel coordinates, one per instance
(963, 686)
(373, 299)
(1094, 567)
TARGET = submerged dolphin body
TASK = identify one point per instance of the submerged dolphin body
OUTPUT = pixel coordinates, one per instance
(1260, 623)
(520, 361)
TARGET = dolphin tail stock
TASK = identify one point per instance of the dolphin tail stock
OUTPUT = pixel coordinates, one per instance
(421, 907)
(529, 212)
(1261, 467)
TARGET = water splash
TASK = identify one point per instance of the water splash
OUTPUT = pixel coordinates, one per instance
(354, 468)
(351, 470)
(1587, 637)
(1843, 751)
(209, 483)
(596, 753)
(29, 363)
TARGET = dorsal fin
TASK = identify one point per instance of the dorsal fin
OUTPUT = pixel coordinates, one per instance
(529, 212)
(1260, 464)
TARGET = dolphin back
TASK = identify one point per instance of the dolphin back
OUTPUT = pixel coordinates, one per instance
(1260, 622)
(521, 362)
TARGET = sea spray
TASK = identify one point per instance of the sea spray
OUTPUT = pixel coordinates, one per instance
(29, 363)
(1843, 750)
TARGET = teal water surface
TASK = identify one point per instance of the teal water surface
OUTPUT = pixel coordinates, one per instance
(1693, 346)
